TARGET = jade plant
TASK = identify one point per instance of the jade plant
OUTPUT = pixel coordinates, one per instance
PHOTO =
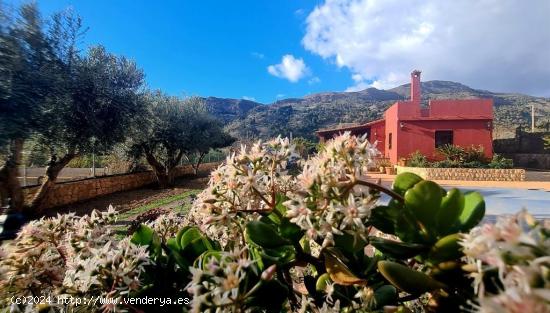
(328, 229)
(276, 233)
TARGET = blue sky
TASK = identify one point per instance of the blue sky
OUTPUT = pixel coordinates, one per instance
(274, 49)
(209, 48)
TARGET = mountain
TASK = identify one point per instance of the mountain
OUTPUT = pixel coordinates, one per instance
(303, 116)
(228, 110)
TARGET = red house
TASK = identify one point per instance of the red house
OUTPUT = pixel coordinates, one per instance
(407, 127)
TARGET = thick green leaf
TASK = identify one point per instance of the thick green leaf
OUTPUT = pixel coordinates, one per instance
(395, 249)
(473, 212)
(349, 243)
(204, 259)
(322, 282)
(406, 279)
(290, 230)
(451, 208)
(269, 297)
(189, 235)
(180, 234)
(423, 200)
(446, 249)
(279, 255)
(407, 229)
(193, 243)
(264, 235)
(174, 251)
(385, 295)
(380, 217)
(143, 235)
(404, 182)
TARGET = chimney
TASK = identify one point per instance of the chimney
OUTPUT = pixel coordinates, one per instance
(415, 86)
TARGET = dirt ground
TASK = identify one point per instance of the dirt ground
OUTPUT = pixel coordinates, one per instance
(126, 200)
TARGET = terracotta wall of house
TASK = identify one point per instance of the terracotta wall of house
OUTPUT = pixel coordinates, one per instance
(75, 191)
(461, 108)
(420, 135)
(391, 128)
(378, 133)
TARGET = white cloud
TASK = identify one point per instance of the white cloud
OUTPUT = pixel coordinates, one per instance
(314, 80)
(257, 55)
(500, 45)
(290, 68)
(249, 98)
(280, 95)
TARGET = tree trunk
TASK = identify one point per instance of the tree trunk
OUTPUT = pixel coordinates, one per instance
(52, 171)
(198, 164)
(8, 176)
(159, 169)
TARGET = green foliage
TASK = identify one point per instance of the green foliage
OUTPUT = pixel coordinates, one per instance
(417, 159)
(499, 161)
(451, 152)
(173, 128)
(426, 218)
(456, 156)
(304, 147)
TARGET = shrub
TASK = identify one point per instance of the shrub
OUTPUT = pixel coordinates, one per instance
(446, 164)
(474, 164)
(474, 154)
(499, 161)
(417, 159)
(451, 152)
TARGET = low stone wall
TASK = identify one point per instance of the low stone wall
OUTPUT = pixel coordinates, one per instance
(75, 191)
(530, 160)
(480, 174)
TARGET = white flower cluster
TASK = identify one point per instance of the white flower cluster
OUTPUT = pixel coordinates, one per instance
(216, 285)
(168, 225)
(518, 247)
(328, 200)
(72, 255)
(247, 182)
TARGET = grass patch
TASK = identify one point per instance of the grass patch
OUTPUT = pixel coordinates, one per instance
(121, 230)
(160, 202)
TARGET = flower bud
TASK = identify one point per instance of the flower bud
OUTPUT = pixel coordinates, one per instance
(268, 274)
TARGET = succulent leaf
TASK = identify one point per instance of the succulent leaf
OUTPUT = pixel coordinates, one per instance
(407, 279)
(405, 181)
(339, 272)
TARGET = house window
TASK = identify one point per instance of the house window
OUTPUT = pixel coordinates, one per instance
(389, 141)
(443, 137)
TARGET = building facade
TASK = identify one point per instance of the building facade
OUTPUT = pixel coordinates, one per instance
(408, 127)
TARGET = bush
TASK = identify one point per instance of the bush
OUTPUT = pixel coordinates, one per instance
(417, 159)
(499, 161)
(446, 164)
(451, 152)
(474, 154)
(474, 164)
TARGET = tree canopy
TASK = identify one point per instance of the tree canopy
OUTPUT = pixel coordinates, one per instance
(172, 128)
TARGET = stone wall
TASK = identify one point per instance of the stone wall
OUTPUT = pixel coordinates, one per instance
(530, 160)
(480, 174)
(74, 191)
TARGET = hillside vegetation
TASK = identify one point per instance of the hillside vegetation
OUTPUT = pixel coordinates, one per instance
(303, 116)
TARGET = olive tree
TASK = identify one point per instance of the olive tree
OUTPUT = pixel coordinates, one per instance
(98, 102)
(27, 64)
(207, 134)
(175, 127)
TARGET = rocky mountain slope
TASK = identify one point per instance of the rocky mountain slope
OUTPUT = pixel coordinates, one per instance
(303, 116)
